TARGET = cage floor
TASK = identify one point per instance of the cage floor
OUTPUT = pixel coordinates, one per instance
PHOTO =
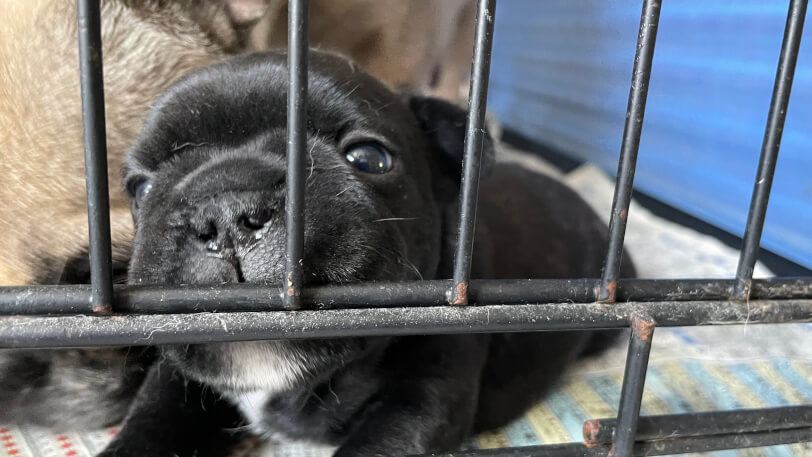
(691, 369)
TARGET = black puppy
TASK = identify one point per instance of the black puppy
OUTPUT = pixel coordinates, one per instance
(207, 181)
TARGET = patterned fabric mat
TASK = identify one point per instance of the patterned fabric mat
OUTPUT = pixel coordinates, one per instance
(691, 369)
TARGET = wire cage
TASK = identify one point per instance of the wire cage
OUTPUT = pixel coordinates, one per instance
(102, 314)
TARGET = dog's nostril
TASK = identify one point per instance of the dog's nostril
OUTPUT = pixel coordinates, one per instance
(254, 222)
(208, 234)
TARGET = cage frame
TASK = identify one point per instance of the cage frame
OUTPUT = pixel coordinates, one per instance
(104, 314)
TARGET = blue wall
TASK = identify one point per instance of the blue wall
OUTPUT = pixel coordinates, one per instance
(561, 72)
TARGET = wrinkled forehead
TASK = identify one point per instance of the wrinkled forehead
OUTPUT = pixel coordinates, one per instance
(232, 102)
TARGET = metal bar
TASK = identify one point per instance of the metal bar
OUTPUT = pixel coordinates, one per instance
(472, 160)
(75, 299)
(657, 447)
(549, 450)
(649, 20)
(601, 431)
(88, 18)
(718, 442)
(634, 379)
(126, 330)
(770, 146)
(297, 143)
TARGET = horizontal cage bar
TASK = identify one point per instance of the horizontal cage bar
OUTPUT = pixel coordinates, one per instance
(654, 447)
(32, 300)
(139, 329)
(600, 431)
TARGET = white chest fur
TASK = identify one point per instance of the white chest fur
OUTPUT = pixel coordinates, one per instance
(267, 366)
(251, 406)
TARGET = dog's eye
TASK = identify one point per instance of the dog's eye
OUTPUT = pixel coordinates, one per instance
(142, 190)
(369, 158)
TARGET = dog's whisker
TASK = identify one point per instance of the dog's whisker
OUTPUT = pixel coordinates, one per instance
(310, 155)
(330, 389)
(387, 219)
(407, 263)
(346, 189)
(246, 250)
(353, 90)
(203, 391)
(399, 258)
(411, 267)
(238, 429)
(178, 147)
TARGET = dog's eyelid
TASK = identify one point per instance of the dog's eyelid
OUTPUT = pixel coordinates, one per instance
(132, 183)
(365, 137)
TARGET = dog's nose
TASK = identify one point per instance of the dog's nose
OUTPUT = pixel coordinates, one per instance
(221, 227)
(229, 202)
(253, 221)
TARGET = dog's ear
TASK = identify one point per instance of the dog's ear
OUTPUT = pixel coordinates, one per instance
(444, 125)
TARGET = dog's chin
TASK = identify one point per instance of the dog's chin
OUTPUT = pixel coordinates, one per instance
(267, 366)
(272, 366)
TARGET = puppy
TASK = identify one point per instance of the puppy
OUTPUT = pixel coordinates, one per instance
(426, 46)
(147, 45)
(207, 183)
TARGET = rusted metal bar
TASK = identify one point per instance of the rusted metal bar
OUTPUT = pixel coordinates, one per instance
(684, 445)
(634, 379)
(297, 144)
(649, 23)
(601, 431)
(472, 159)
(139, 329)
(88, 18)
(54, 300)
(769, 148)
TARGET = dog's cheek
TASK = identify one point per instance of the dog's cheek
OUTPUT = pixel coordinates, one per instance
(155, 258)
(421, 231)
(342, 240)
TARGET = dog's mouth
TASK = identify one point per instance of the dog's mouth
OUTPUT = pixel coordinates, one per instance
(278, 365)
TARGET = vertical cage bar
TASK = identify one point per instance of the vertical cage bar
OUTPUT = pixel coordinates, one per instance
(770, 146)
(634, 379)
(88, 18)
(636, 109)
(297, 142)
(472, 159)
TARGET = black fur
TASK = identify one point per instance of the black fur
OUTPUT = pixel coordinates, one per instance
(212, 150)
